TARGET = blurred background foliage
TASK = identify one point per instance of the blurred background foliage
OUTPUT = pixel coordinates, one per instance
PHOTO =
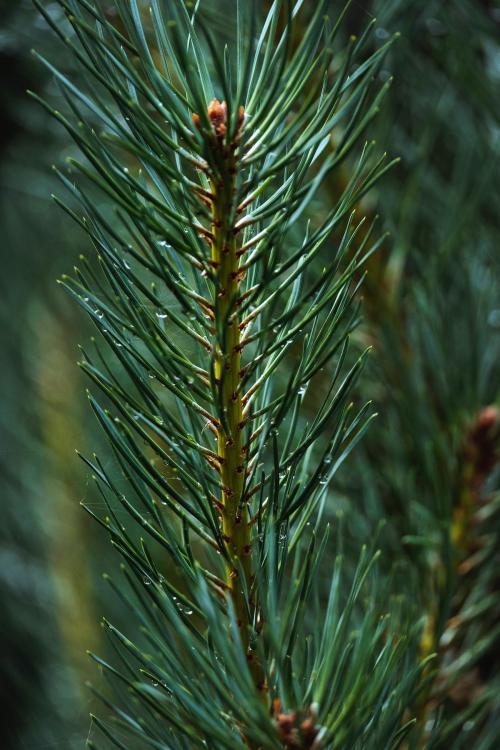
(429, 464)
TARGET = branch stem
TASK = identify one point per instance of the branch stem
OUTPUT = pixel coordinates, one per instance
(230, 443)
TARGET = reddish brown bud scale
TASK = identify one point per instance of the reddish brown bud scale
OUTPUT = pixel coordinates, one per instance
(217, 114)
(487, 418)
(295, 731)
(482, 444)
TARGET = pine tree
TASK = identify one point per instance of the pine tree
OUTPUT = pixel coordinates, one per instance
(221, 296)
(431, 468)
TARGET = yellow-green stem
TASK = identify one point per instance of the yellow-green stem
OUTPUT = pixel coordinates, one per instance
(230, 443)
(231, 449)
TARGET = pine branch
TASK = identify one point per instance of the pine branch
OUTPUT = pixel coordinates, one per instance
(220, 297)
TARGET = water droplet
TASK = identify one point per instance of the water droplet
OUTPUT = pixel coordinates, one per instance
(494, 319)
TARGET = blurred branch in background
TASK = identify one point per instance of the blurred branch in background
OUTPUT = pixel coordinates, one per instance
(430, 466)
(61, 420)
(42, 550)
